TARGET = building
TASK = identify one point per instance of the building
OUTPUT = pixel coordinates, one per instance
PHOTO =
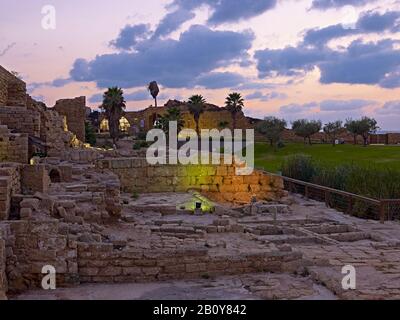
(214, 117)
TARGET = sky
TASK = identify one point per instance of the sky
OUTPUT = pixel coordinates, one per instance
(316, 59)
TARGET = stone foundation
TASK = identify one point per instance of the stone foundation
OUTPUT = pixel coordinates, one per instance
(13, 146)
(75, 112)
(9, 185)
(3, 278)
(34, 244)
(12, 89)
(3, 92)
(21, 120)
(103, 263)
(218, 181)
(35, 178)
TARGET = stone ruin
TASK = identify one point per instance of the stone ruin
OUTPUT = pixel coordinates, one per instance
(108, 217)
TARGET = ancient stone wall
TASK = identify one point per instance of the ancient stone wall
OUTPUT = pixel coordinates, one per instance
(12, 170)
(54, 132)
(320, 137)
(218, 181)
(81, 155)
(9, 185)
(31, 245)
(3, 278)
(104, 263)
(12, 89)
(212, 118)
(75, 112)
(393, 138)
(5, 197)
(13, 146)
(34, 178)
(3, 92)
(21, 120)
(35, 244)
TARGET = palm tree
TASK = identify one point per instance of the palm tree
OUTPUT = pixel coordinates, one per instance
(154, 90)
(113, 107)
(234, 103)
(196, 108)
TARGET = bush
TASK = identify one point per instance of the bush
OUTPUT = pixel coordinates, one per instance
(280, 144)
(141, 135)
(300, 167)
(90, 134)
(371, 181)
(140, 144)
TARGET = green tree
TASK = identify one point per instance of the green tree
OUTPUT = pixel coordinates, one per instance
(352, 127)
(363, 127)
(113, 107)
(234, 103)
(332, 129)
(154, 91)
(173, 114)
(90, 134)
(196, 105)
(305, 128)
(272, 128)
(366, 127)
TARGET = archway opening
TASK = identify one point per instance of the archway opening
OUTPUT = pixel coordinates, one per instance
(124, 125)
(104, 126)
(55, 176)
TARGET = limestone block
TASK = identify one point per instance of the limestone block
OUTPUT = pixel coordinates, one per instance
(30, 203)
(25, 213)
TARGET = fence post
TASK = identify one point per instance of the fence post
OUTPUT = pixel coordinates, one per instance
(382, 211)
(350, 210)
(327, 198)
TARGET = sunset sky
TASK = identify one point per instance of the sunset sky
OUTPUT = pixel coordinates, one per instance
(317, 59)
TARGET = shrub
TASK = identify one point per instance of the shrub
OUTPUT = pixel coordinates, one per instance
(300, 167)
(371, 181)
(141, 135)
(135, 196)
(90, 134)
(140, 144)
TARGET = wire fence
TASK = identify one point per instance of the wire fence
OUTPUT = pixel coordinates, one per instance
(350, 203)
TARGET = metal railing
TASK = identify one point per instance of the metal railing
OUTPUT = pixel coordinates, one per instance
(350, 203)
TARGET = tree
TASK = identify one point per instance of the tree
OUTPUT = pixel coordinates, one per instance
(234, 103)
(367, 126)
(363, 127)
(305, 129)
(94, 118)
(272, 128)
(113, 107)
(154, 91)
(173, 114)
(90, 134)
(352, 127)
(196, 108)
(332, 129)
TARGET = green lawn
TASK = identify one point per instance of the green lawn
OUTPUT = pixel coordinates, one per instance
(266, 158)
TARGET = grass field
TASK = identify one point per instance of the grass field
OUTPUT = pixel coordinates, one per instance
(385, 156)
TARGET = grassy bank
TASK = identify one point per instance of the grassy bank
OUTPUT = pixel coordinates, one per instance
(381, 156)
